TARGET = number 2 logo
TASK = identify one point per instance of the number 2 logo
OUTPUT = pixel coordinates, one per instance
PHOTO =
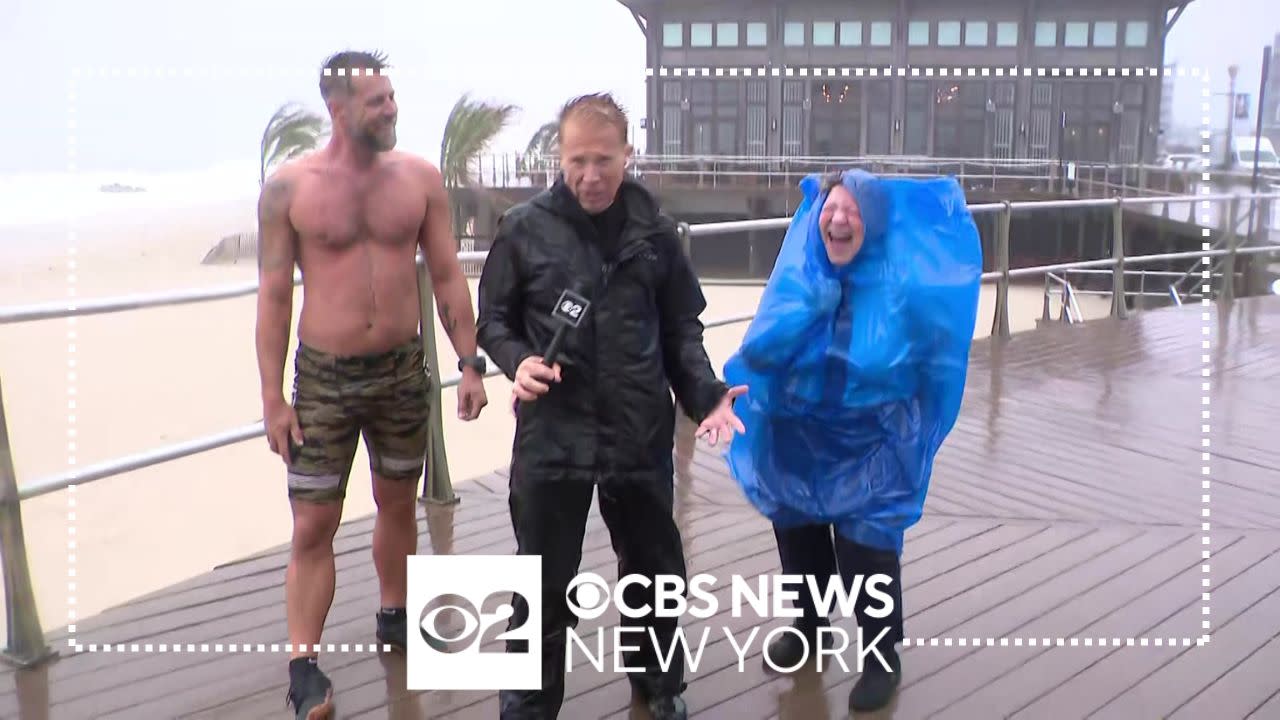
(453, 624)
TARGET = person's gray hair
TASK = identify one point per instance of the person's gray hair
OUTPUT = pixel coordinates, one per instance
(829, 181)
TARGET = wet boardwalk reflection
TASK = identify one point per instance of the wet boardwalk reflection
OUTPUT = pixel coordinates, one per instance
(1069, 505)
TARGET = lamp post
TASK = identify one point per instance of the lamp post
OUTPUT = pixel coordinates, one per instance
(1231, 117)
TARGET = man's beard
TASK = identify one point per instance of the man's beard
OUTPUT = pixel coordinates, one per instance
(373, 141)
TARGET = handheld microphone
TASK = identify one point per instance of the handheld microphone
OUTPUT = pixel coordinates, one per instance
(569, 311)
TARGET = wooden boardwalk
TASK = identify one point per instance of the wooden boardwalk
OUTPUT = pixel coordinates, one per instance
(1058, 572)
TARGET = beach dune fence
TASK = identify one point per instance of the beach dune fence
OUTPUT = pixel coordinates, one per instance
(232, 249)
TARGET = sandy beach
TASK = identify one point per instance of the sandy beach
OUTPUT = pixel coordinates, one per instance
(153, 377)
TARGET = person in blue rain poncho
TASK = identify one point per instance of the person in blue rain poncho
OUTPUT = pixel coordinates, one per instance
(856, 363)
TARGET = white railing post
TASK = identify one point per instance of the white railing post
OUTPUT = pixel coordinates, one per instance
(437, 486)
(26, 645)
(1000, 324)
(1119, 305)
(1233, 244)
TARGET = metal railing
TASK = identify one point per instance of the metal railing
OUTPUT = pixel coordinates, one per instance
(1070, 310)
(514, 170)
(533, 170)
(26, 644)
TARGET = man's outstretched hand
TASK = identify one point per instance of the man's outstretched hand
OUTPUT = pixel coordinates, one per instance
(722, 420)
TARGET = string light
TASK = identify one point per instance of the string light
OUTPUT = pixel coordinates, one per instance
(826, 93)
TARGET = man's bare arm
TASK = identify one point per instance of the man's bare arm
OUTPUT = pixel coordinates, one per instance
(453, 295)
(277, 252)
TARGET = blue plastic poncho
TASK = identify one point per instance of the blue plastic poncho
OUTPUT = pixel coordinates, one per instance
(856, 373)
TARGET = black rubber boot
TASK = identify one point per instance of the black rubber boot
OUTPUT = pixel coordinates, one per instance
(875, 688)
(668, 707)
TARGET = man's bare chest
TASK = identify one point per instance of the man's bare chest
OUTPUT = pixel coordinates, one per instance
(341, 214)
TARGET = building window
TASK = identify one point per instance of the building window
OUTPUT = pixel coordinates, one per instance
(1076, 34)
(975, 33)
(1041, 127)
(792, 117)
(948, 33)
(1088, 120)
(1002, 119)
(793, 34)
(727, 94)
(672, 129)
(1007, 34)
(824, 33)
(672, 35)
(757, 118)
(1046, 34)
(1135, 34)
(850, 33)
(835, 123)
(1104, 33)
(879, 102)
(915, 139)
(882, 34)
(960, 119)
(757, 34)
(714, 112)
(917, 32)
(699, 34)
(702, 111)
(727, 34)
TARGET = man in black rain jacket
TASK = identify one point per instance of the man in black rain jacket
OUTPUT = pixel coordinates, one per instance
(601, 416)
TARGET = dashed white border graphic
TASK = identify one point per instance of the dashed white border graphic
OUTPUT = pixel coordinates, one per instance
(893, 71)
(71, 374)
(1206, 301)
(818, 71)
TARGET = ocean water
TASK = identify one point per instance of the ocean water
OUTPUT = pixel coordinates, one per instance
(38, 211)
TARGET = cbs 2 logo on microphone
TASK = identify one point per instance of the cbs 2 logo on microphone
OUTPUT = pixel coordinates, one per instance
(571, 307)
(459, 613)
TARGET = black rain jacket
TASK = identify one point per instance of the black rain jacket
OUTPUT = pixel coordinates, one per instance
(612, 415)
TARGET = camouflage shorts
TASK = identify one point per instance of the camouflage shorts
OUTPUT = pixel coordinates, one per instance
(337, 399)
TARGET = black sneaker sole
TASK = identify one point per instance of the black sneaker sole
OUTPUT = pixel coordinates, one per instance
(323, 711)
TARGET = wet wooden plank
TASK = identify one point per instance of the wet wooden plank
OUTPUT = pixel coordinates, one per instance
(1268, 709)
(974, 684)
(594, 693)
(1240, 688)
(1122, 670)
(1066, 504)
(1240, 632)
(708, 533)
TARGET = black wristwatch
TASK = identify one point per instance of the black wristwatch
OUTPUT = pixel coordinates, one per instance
(475, 362)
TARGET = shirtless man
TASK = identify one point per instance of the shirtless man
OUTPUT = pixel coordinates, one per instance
(352, 216)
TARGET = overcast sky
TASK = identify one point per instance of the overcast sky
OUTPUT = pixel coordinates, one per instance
(534, 53)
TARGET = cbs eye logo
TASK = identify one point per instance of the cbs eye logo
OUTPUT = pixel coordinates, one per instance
(587, 596)
(454, 624)
(570, 308)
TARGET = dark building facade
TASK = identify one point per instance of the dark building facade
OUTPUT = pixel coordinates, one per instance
(888, 95)
(1270, 107)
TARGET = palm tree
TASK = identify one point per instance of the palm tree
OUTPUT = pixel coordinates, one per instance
(292, 131)
(471, 127)
(544, 145)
